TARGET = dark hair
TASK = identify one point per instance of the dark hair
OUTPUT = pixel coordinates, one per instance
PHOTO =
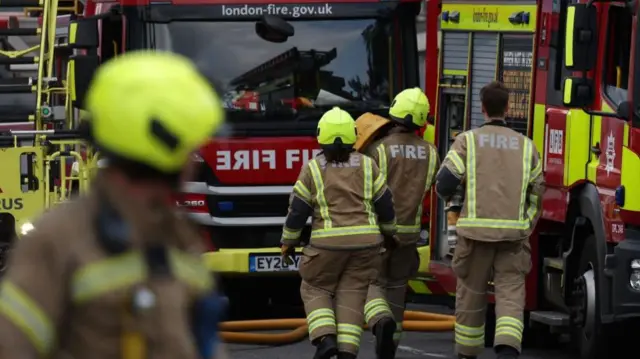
(139, 172)
(337, 154)
(495, 99)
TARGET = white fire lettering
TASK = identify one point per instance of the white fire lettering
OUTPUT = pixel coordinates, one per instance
(293, 156)
(245, 160)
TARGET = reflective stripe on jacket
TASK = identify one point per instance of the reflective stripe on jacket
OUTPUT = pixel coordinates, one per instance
(409, 166)
(342, 198)
(503, 182)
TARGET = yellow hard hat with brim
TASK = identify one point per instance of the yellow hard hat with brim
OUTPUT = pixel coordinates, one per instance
(368, 126)
(336, 127)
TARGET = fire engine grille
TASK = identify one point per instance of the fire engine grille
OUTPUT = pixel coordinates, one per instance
(248, 206)
(250, 237)
(483, 69)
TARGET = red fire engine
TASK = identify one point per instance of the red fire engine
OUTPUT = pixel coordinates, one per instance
(570, 70)
(297, 60)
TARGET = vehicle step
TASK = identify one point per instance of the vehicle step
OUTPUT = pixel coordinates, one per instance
(4, 60)
(555, 263)
(16, 117)
(19, 3)
(17, 89)
(554, 319)
(20, 32)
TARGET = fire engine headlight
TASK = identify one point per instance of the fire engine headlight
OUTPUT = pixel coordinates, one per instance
(634, 278)
(26, 227)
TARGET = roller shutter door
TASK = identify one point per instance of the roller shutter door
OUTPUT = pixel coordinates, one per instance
(455, 50)
(483, 70)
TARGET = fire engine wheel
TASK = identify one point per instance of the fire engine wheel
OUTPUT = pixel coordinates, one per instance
(587, 331)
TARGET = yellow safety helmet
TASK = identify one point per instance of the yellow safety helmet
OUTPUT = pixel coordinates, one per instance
(337, 127)
(152, 108)
(410, 108)
(368, 126)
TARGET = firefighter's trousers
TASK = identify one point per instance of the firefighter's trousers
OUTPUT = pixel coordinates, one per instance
(474, 262)
(334, 290)
(386, 297)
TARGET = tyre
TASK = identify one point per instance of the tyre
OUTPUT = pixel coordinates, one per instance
(588, 335)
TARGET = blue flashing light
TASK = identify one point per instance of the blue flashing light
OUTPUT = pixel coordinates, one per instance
(620, 196)
(525, 17)
(445, 16)
(225, 206)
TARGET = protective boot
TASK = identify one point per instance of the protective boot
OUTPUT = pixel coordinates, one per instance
(345, 355)
(326, 347)
(506, 352)
(383, 330)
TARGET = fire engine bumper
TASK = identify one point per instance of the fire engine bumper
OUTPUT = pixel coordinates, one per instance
(623, 270)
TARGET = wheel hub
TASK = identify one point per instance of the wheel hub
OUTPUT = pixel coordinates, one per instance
(583, 310)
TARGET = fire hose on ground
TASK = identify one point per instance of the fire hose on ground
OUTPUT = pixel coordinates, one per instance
(236, 331)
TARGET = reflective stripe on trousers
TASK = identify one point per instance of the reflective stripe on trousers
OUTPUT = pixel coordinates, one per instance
(349, 334)
(323, 317)
(375, 307)
(509, 326)
(523, 222)
(28, 316)
(469, 336)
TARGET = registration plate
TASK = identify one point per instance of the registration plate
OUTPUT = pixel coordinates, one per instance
(271, 263)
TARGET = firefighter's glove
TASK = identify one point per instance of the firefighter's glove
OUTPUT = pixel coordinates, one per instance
(390, 242)
(288, 251)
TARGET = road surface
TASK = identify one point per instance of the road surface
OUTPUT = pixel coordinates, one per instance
(413, 346)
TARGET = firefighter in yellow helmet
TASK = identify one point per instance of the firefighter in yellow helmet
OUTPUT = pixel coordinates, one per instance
(502, 174)
(117, 273)
(409, 165)
(351, 208)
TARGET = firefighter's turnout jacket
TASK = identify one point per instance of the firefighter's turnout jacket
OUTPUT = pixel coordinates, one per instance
(351, 208)
(409, 165)
(502, 176)
(65, 296)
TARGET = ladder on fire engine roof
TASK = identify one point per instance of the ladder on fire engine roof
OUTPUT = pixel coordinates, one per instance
(43, 84)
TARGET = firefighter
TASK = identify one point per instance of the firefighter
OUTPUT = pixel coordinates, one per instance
(409, 165)
(117, 273)
(345, 194)
(502, 175)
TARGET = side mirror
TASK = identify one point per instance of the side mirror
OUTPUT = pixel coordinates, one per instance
(274, 29)
(581, 42)
(83, 33)
(81, 68)
(577, 92)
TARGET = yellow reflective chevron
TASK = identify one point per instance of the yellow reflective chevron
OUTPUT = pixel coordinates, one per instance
(322, 201)
(125, 270)
(113, 273)
(471, 175)
(28, 316)
(431, 172)
(368, 189)
(302, 191)
(344, 231)
(382, 161)
(191, 270)
(525, 216)
(457, 162)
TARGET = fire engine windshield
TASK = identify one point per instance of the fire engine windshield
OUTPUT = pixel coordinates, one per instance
(326, 62)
